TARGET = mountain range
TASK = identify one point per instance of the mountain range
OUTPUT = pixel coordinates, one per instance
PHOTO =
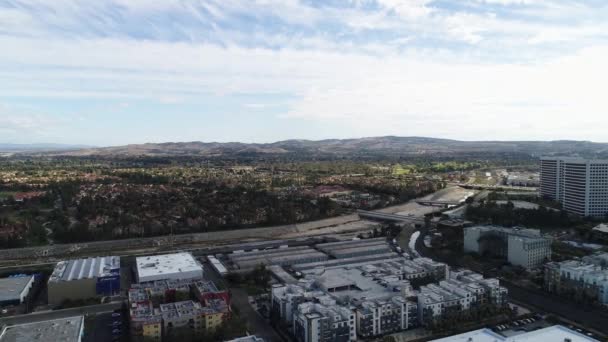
(387, 145)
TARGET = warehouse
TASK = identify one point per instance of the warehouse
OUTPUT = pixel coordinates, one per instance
(84, 279)
(348, 261)
(65, 329)
(168, 266)
(14, 290)
(281, 257)
(354, 248)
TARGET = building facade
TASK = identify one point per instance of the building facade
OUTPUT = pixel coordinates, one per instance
(580, 185)
(521, 247)
(84, 279)
(585, 279)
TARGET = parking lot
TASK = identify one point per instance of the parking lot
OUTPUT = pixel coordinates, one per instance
(106, 327)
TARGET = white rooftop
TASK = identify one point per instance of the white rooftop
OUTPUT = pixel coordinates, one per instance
(168, 266)
(556, 333)
(601, 228)
(64, 329)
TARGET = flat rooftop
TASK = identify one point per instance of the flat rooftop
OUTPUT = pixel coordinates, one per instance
(556, 333)
(11, 288)
(64, 330)
(85, 268)
(155, 265)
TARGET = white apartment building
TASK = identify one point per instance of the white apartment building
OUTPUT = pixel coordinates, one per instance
(587, 277)
(520, 246)
(324, 322)
(581, 185)
(463, 291)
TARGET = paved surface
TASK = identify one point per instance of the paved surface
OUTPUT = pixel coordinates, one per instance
(56, 314)
(256, 324)
(102, 328)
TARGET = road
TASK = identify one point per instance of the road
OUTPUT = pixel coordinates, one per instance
(56, 314)
(255, 322)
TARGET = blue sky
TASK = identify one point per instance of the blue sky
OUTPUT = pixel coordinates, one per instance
(111, 72)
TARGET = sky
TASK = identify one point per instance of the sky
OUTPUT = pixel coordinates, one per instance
(113, 72)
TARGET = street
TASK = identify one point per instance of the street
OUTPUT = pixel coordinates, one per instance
(255, 322)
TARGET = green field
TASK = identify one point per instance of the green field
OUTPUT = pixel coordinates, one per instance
(6, 194)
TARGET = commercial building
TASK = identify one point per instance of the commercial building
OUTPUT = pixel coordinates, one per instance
(84, 279)
(520, 246)
(64, 329)
(585, 279)
(158, 308)
(168, 266)
(555, 333)
(14, 290)
(581, 185)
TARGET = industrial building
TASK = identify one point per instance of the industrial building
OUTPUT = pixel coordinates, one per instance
(14, 290)
(280, 256)
(355, 248)
(349, 261)
(580, 185)
(217, 265)
(84, 279)
(520, 246)
(64, 330)
(556, 333)
(168, 266)
(587, 278)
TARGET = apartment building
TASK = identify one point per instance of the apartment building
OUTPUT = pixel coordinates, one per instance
(587, 278)
(324, 322)
(581, 185)
(158, 308)
(520, 246)
(379, 317)
(463, 291)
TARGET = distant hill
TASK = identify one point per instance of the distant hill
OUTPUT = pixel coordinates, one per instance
(8, 148)
(388, 145)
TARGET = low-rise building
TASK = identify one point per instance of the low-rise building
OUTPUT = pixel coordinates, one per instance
(84, 279)
(600, 232)
(583, 279)
(328, 322)
(464, 290)
(521, 247)
(14, 290)
(553, 333)
(63, 329)
(250, 338)
(158, 308)
(168, 266)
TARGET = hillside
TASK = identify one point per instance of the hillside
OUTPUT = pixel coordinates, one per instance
(389, 145)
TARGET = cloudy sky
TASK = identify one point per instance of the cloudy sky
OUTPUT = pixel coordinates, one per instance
(110, 72)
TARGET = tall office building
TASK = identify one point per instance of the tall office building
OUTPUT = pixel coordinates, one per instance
(580, 185)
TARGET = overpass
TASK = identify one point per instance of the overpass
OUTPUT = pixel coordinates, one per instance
(438, 203)
(380, 216)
